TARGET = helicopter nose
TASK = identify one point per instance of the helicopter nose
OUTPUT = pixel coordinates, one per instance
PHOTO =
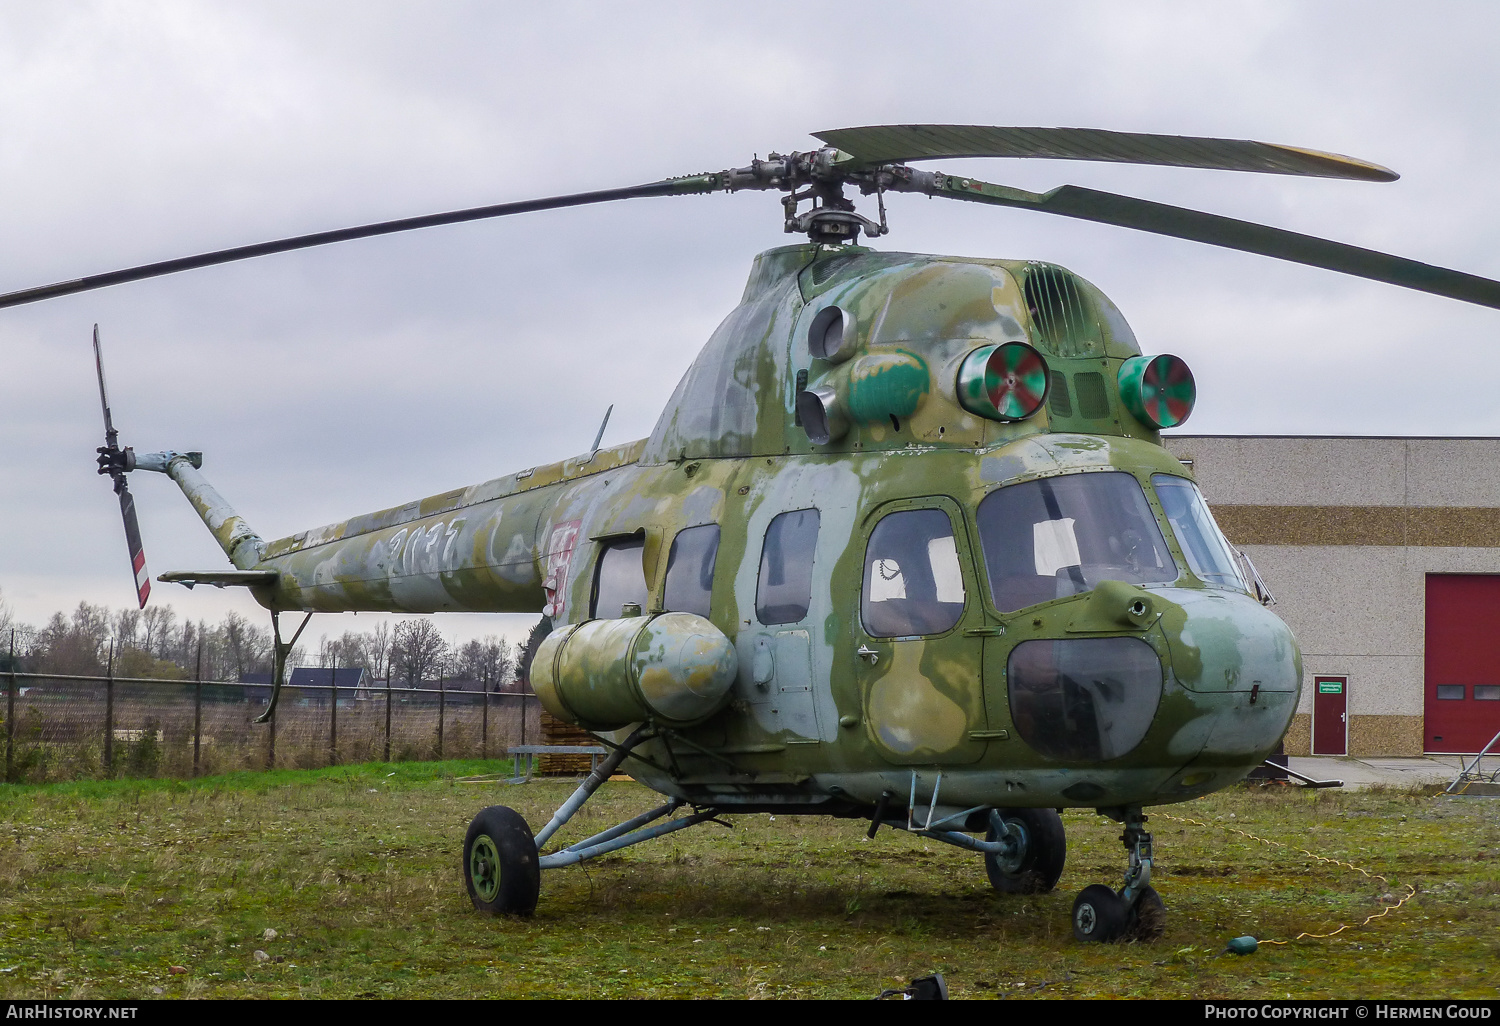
(1240, 669)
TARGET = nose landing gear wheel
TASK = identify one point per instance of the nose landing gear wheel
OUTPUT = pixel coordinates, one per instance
(1148, 920)
(500, 863)
(1098, 915)
(1042, 848)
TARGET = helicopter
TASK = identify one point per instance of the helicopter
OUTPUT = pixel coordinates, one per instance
(903, 548)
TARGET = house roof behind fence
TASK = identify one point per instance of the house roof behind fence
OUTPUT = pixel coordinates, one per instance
(315, 676)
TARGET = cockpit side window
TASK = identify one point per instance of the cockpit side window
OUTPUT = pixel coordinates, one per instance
(1061, 536)
(913, 583)
(784, 590)
(690, 569)
(620, 576)
(1208, 553)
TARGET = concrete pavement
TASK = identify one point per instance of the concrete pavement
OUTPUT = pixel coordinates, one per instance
(1363, 772)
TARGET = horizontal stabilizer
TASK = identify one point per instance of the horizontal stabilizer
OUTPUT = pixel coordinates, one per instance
(221, 578)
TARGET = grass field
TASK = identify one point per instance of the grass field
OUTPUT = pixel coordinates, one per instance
(143, 889)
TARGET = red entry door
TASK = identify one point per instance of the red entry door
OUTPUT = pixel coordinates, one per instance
(1330, 716)
(1461, 701)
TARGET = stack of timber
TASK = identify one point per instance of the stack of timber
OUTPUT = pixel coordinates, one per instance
(556, 732)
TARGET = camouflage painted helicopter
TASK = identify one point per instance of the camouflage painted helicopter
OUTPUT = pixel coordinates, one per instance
(904, 547)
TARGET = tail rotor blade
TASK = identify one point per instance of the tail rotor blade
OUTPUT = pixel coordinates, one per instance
(133, 542)
(115, 463)
(110, 435)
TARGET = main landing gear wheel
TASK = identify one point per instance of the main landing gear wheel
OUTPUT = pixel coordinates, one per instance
(1041, 850)
(1099, 915)
(500, 863)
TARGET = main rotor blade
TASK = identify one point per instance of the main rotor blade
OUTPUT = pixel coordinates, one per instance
(667, 187)
(890, 144)
(1226, 232)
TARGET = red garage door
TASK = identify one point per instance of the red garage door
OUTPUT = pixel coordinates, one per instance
(1462, 687)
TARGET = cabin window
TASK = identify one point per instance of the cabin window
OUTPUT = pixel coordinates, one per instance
(690, 569)
(1208, 553)
(784, 590)
(913, 582)
(1061, 536)
(620, 576)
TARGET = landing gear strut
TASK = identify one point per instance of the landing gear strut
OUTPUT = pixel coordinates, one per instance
(502, 864)
(1135, 911)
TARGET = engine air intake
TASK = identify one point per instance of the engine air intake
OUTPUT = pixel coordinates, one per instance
(1006, 382)
(1159, 390)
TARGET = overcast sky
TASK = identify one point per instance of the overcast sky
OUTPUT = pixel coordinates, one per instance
(354, 377)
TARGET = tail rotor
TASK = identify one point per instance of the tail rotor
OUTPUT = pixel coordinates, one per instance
(115, 463)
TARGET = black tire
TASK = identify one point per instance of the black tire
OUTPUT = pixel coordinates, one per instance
(500, 863)
(1098, 915)
(1148, 920)
(1037, 867)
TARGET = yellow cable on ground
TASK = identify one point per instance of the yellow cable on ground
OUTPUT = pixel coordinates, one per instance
(1385, 909)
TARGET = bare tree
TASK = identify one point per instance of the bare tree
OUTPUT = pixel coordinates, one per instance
(378, 648)
(91, 623)
(417, 651)
(236, 642)
(74, 645)
(349, 649)
(7, 619)
(127, 623)
(488, 661)
(471, 662)
(157, 625)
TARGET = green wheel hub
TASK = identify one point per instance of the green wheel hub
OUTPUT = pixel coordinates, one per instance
(484, 868)
(1013, 864)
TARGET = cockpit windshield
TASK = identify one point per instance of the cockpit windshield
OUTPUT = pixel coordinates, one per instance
(1061, 536)
(1208, 554)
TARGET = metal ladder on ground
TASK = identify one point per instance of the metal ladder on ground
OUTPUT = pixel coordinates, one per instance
(1472, 778)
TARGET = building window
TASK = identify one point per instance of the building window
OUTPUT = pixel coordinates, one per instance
(1487, 692)
(1450, 692)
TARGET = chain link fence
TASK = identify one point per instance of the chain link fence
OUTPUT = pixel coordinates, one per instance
(60, 727)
